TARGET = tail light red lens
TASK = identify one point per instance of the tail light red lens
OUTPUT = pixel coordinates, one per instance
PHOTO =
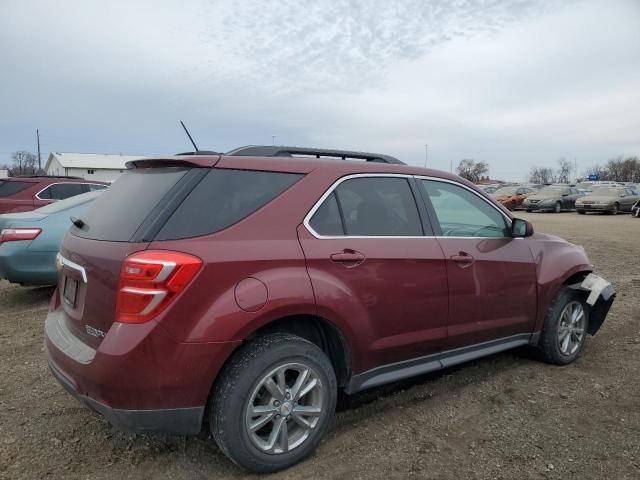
(150, 280)
(17, 234)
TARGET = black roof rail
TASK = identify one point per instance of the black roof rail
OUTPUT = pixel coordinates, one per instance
(275, 151)
(199, 152)
(45, 176)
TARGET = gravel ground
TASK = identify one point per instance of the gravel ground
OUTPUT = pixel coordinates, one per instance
(506, 416)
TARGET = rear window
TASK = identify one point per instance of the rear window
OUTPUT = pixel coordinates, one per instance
(222, 198)
(173, 203)
(8, 188)
(121, 209)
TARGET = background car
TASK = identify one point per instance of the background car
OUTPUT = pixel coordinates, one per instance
(512, 197)
(607, 199)
(635, 210)
(29, 241)
(23, 194)
(554, 198)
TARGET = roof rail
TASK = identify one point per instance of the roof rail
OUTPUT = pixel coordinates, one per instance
(274, 151)
(46, 176)
(199, 152)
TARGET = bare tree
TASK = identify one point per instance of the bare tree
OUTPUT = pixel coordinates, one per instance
(472, 170)
(564, 170)
(541, 175)
(24, 163)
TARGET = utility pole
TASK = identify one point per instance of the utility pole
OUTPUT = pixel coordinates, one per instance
(426, 154)
(273, 139)
(39, 161)
(575, 168)
(451, 166)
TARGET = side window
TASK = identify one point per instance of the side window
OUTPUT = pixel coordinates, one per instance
(45, 194)
(461, 213)
(92, 187)
(373, 206)
(60, 191)
(326, 221)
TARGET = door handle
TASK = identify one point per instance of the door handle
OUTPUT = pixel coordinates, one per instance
(463, 259)
(348, 258)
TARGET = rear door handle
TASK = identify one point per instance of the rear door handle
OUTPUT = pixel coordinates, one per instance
(348, 258)
(463, 259)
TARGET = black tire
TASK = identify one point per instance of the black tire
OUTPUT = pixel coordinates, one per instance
(549, 346)
(529, 211)
(615, 209)
(557, 207)
(242, 375)
(581, 212)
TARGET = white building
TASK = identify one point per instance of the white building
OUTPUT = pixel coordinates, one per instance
(90, 166)
(4, 173)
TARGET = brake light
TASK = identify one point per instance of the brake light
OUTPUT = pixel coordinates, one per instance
(150, 280)
(16, 234)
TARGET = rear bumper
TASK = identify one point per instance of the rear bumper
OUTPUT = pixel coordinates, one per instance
(20, 265)
(179, 421)
(139, 378)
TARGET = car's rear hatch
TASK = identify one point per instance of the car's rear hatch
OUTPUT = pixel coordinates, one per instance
(120, 222)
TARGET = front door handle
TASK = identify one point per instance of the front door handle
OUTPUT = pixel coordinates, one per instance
(463, 259)
(348, 258)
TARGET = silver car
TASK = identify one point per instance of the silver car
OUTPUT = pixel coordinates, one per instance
(608, 200)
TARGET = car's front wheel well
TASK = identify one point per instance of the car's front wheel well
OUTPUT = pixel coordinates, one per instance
(577, 277)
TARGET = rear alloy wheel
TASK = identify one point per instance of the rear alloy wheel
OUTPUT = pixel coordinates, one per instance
(273, 402)
(557, 208)
(565, 328)
(614, 210)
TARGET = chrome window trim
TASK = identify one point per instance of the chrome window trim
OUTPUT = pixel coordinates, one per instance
(37, 195)
(337, 183)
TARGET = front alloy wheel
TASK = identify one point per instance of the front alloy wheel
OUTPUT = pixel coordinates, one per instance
(572, 328)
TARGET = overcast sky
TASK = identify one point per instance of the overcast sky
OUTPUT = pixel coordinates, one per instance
(513, 83)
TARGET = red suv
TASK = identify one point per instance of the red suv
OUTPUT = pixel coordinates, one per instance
(240, 292)
(23, 194)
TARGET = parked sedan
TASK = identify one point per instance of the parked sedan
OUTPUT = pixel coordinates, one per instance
(554, 198)
(512, 197)
(29, 241)
(24, 194)
(608, 199)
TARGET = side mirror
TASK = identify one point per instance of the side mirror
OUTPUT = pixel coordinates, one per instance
(565, 194)
(521, 228)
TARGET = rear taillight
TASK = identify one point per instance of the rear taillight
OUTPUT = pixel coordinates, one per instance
(150, 280)
(16, 234)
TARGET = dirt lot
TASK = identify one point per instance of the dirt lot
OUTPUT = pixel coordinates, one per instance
(507, 416)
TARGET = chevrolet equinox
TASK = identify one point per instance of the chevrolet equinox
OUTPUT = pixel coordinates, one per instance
(240, 292)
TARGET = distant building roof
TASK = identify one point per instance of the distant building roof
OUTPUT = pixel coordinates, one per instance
(91, 160)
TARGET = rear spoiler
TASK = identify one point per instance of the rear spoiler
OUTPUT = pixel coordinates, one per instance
(201, 161)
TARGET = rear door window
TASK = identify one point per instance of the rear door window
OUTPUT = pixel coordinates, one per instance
(369, 207)
(60, 191)
(9, 188)
(222, 198)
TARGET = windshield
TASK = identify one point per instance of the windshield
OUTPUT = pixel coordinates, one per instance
(553, 191)
(69, 202)
(506, 191)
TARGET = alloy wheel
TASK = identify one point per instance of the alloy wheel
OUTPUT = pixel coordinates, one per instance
(571, 329)
(284, 408)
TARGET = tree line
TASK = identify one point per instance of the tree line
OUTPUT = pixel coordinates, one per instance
(619, 169)
(23, 163)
